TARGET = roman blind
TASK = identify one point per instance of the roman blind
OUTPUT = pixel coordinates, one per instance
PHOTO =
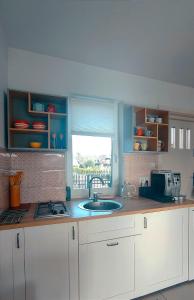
(92, 116)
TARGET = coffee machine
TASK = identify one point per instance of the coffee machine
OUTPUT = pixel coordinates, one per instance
(165, 186)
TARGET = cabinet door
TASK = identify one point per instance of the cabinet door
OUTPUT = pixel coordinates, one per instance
(47, 262)
(191, 244)
(106, 269)
(12, 281)
(6, 274)
(162, 251)
(18, 264)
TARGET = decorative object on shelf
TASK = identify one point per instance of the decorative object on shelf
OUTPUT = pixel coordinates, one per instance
(148, 132)
(161, 145)
(140, 131)
(159, 120)
(61, 139)
(54, 140)
(150, 118)
(38, 107)
(22, 124)
(137, 146)
(39, 125)
(51, 108)
(14, 183)
(35, 145)
(144, 146)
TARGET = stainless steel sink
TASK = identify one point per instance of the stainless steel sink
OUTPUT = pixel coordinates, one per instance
(100, 205)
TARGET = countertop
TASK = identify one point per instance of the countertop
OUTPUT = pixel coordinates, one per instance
(130, 206)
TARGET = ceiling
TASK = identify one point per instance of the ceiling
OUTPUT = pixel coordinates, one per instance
(153, 38)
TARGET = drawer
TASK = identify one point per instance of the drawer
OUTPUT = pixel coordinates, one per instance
(110, 228)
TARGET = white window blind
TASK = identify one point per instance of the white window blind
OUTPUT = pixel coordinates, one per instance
(92, 116)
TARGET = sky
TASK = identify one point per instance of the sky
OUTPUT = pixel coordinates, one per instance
(90, 145)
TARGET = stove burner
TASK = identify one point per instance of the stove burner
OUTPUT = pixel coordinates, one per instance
(51, 209)
(12, 216)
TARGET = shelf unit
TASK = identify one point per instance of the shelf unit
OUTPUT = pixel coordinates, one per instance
(159, 130)
(21, 107)
(131, 117)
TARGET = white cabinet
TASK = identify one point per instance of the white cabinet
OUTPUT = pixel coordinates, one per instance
(191, 243)
(51, 262)
(12, 280)
(107, 269)
(161, 257)
(106, 257)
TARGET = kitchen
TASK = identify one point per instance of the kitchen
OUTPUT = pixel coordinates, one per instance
(65, 113)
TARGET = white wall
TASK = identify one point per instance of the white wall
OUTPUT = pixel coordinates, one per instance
(35, 72)
(3, 81)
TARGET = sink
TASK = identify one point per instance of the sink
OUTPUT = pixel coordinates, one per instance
(100, 205)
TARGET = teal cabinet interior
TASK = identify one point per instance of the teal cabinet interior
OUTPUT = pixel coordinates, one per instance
(50, 112)
(126, 125)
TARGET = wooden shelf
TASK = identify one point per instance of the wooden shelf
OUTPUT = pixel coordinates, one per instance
(155, 123)
(45, 113)
(19, 130)
(145, 137)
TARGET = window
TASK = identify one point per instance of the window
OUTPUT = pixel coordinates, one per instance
(92, 156)
(94, 145)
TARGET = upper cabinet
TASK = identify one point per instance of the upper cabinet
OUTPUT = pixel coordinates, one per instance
(143, 129)
(37, 122)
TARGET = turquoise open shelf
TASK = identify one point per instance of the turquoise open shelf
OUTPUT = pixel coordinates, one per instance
(22, 106)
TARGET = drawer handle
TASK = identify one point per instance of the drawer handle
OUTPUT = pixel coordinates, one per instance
(73, 233)
(18, 240)
(112, 244)
(145, 222)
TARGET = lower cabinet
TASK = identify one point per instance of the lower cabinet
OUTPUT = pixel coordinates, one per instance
(12, 279)
(191, 244)
(107, 269)
(161, 257)
(51, 262)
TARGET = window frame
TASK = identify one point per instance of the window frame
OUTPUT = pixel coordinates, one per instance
(83, 193)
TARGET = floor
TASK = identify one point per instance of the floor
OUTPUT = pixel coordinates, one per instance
(181, 292)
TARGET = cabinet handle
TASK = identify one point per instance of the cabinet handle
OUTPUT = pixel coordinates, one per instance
(112, 244)
(145, 222)
(18, 240)
(73, 232)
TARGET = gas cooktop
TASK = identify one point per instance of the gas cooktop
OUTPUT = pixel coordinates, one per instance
(51, 209)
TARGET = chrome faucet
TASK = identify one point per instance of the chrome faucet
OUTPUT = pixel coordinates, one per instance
(95, 198)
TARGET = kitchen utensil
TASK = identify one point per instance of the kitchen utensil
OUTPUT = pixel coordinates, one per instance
(150, 119)
(14, 182)
(129, 190)
(161, 145)
(39, 125)
(35, 144)
(22, 124)
(148, 132)
(38, 107)
(159, 120)
(51, 108)
(140, 131)
(137, 146)
(144, 146)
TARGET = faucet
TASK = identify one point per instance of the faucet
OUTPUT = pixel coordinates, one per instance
(95, 198)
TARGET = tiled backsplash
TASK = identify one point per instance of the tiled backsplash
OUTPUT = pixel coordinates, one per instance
(138, 165)
(43, 180)
(4, 182)
(44, 175)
